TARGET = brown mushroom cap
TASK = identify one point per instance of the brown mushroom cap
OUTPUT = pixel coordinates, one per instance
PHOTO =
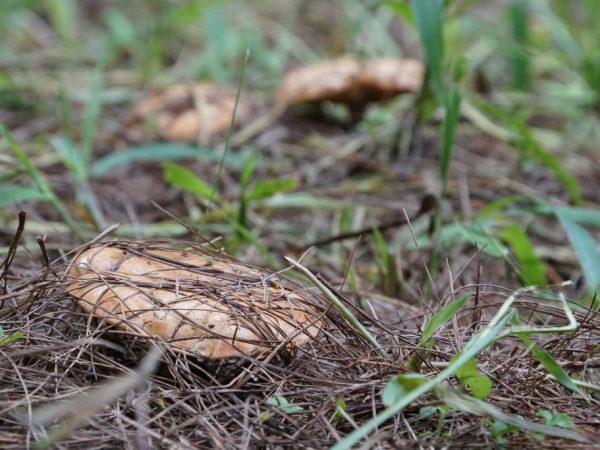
(325, 80)
(392, 76)
(351, 81)
(195, 302)
(187, 112)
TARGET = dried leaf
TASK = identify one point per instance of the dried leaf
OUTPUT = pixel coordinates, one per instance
(193, 299)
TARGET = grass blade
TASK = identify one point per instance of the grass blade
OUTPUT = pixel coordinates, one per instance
(452, 105)
(474, 346)
(481, 408)
(162, 152)
(63, 17)
(429, 15)
(11, 193)
(586, 249)
(551, 365)
(518, 14)
(90, 117)
(358, 326)
(187, 181)
(526, 143)
(441, 317)
(40, 183)
(533, 269)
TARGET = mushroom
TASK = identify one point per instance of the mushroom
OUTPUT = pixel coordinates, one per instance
(194, 301)
(351, 81)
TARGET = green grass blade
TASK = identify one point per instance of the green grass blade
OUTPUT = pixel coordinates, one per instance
(452, 105)
(436, 321)
(526, 143)
(533, 269)
(586, 249)
(551, 365)
(481, 408)
(478, 235)
(186, 180)
(71, 156)
(74, 161)
(267, 188)
(561, 34)
(473, 347)
(9, 339)
(38, 180)
(63, 17)
(429, 16)
(301, 200)
(580, 215)
(518, 14)
(339, 305)
(231, 124)
(90, 117)
(388, 270)
(40, 183)
(441, 317)
(11, 193)
(162, 152)
(247, 171)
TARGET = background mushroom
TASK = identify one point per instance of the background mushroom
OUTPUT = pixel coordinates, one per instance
(351, 81)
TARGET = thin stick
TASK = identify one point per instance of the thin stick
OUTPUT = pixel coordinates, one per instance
(230, 132)
(12, 250)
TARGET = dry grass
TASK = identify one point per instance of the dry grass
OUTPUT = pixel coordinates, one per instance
(190, 403)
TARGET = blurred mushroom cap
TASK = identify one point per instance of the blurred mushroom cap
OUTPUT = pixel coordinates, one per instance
(352, 81)
(186, 112)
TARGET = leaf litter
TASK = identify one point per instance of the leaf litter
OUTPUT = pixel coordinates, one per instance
(71, 350)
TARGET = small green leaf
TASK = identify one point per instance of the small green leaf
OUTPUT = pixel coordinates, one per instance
(499, 429)
(284, 405)
(500, 204)
(340, 407)
(399, 386)
(247, 171)
(401, 9)
(8, 339)
(480, 385)
(267, 188)
(441, 317)
(184, 179)
(428, 411)
(555, 419)
(120, 28)
(533, 270)
(487, 243)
